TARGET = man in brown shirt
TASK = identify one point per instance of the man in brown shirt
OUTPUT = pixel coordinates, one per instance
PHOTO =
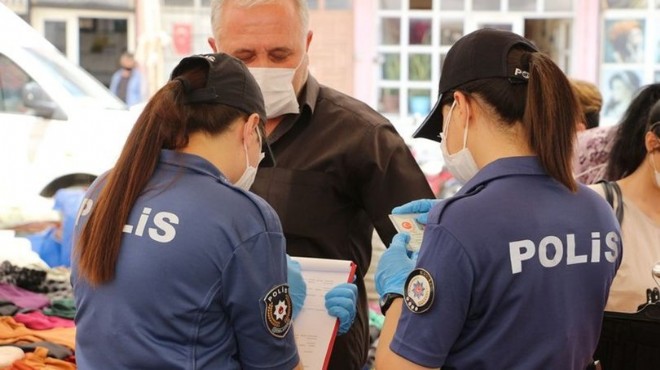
(340, 166)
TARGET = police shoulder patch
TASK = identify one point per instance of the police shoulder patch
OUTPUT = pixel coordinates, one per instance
(420, 291)
(278, 311)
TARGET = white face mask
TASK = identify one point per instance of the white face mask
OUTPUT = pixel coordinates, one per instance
(277, 87)
(460, 164)
(247, 178)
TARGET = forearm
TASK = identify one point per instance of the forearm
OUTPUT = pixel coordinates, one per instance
(385, 358)
(383, 352)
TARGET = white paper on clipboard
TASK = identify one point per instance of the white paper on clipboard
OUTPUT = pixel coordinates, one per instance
(314, 329)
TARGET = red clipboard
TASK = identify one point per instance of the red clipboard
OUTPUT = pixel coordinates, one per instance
(334, 331)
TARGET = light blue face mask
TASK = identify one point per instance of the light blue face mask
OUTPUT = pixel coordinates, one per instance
(247, 178)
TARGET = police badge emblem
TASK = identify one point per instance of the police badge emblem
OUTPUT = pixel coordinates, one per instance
(278, 311)
(419, 291)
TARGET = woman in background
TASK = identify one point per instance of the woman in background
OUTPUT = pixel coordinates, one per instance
(634, 163)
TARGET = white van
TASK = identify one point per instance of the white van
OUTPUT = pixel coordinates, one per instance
(59, 126)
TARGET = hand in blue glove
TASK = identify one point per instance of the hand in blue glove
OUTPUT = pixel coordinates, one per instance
(422, 206)
(341, 302)
(297, 286)
(394, 266)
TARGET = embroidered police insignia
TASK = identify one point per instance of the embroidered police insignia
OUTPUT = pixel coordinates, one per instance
(278, 310)
(420, 291)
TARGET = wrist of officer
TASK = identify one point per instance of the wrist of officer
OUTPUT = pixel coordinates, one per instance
(386, 301)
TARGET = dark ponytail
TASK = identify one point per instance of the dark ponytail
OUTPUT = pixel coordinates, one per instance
(551, 116)
(165, 123)
(545, 104)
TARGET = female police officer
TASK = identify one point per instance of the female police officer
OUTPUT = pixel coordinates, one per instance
(176, 264)
(514, 270)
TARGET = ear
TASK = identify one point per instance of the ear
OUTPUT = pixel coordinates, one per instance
(310, 35)
(651, 142)
(250, 127)
(462, 110)
(211, 42)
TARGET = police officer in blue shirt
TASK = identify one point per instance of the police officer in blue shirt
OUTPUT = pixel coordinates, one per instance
(176, 264)
(514, 270)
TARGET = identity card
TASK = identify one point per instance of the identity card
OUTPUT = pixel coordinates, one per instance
(407, 223)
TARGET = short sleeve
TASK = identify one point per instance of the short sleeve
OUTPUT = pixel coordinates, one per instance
(255, 273)
(427, 337)
(387, 176)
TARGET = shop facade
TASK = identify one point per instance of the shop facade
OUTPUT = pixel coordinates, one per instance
(387, 53)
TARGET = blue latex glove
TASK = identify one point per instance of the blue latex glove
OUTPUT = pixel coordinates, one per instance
(394, 266)
(297, 286)
(341, 302)
(422, 206)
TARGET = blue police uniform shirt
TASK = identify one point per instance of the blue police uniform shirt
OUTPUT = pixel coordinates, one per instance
(520, 270)
(198, 259)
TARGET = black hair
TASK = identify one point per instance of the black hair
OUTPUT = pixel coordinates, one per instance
(546, 105)
(628, 151)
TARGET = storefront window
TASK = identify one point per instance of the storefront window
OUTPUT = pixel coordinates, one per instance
(390, 32)
(390, 4)
(388, 101)
(337, 4)
(518, 5)
(452, 4)
(624, 41)
(391, 68)
(421, 4)
(419, 101)
(178, 2)
(450, 31)
(415, 36)
(625, 4)
(486, 4)
(419, 67)
(420, 32)
(55, 32)
(559, 5)
(630, 56)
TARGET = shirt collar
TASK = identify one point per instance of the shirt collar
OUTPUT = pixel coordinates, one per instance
(192, 162)
(309, 95)
(503, 167)
(307, 101)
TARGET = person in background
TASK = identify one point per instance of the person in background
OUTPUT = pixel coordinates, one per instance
(590, 100)
(515, 269)
(127, 82)
(341, 166)
(176, 264)
(594, 145)
(592, 140)
(634, 163)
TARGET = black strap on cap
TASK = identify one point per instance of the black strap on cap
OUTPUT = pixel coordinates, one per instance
(521, 74)
(203, 95)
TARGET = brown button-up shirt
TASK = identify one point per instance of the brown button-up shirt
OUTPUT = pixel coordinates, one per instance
(341, 168)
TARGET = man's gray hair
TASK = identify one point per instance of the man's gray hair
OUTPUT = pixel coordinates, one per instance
(217, 5)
